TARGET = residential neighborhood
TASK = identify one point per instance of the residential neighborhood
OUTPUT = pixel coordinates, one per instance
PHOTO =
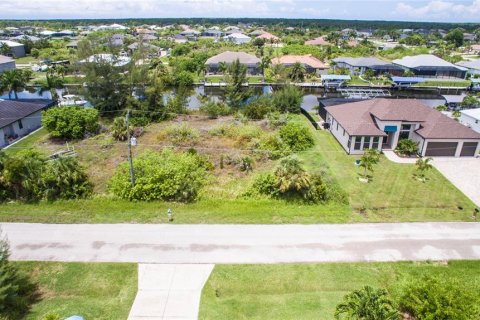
(226, 165)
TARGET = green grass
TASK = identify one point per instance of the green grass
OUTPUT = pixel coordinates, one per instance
(445, 83)
(221, 78)
(27, 60)
(28, 142)
(92, 290)
(312, 291)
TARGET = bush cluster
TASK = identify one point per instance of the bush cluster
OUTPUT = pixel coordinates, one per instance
(29, 176)
(70, 122)
(297, 136)
(407, 147)
(166, 176)
(214, 109)
(183, 134)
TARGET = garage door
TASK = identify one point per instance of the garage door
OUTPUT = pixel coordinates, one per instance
(441, 149)
(468, 149)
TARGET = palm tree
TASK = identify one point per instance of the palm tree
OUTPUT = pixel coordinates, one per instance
(369, 158)
(264, 64)
(367, 304)
(290, 177)
(12, 81)
(423, 165)
(297, 72)
(278, 73)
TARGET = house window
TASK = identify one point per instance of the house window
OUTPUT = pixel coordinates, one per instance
(375, 142)
(337, 125)
(366, 143)
(344, 132)
(405, 131)
(358, 143)
(20, 124)
(349, 143)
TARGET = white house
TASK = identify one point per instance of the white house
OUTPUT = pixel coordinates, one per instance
(471, 118)
(473, 66)
(237, 38)
(6, 63)
(17, 50)
(381, 123)
(17, 119)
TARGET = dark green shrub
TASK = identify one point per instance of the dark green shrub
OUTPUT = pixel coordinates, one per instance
(407, 147)
(439, 298)
(273, 147)
(288, 99)
(258, 108)
(161, 176)
(297, 136)
(214, 109)
(70, 122)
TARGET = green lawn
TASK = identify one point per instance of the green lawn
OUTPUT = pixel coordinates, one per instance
(27, 60)
(393, 195)
(445, 83)
(312, 291)
(27, 142)
(92, 290)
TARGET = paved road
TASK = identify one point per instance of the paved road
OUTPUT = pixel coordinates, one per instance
(243, 243)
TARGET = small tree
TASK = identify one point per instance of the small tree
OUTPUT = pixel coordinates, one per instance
(70, 122)
(17, 291)
(423, 165)
(369, 158)
(367, 304)
(297, 72)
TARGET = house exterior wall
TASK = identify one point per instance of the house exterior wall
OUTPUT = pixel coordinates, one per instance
(473, 123)
(18, 51)
(28, 124)
(339, 133)
(7, 66)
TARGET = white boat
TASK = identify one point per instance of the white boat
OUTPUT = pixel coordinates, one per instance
(72, 100)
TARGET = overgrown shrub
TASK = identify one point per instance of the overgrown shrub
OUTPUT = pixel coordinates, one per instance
(182, 134)
(166, 176)
(258, 108)
(407, 147)
(272, 146)
(288, 99)
(18, 292)
(276, 119)
(439, 298)
(214, 109)
(28, 176)
(297, 136)
(119, 129)
(70, 122)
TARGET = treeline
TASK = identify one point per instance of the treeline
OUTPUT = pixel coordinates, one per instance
(325, 24)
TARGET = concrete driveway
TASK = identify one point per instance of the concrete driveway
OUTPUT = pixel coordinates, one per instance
(243, 243)
(464, 173)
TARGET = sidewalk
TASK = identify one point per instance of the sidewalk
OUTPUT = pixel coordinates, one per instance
(169, 291)
(392, 156)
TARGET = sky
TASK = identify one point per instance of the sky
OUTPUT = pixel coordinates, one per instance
(399, 10)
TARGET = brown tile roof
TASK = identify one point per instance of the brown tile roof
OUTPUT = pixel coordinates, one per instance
(320, 41)
(268, 36)
(357, 118)
(306, 60)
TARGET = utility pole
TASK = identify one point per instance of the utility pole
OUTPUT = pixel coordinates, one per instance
(130, 161)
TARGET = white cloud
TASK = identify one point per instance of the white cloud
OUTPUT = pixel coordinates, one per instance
(441, 10)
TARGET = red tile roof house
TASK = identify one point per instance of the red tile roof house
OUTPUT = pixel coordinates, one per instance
(381, 123)
(311, 64)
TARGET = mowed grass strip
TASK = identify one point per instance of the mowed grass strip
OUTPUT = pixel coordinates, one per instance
(312, 291)
(92, 290)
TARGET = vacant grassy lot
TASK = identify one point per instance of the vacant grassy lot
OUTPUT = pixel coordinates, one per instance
(92, 290)
(445, 83)
(393, 195)
(312, 291)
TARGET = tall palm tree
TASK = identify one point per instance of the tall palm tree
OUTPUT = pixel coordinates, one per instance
(12, 81)
(278, 72)
(297, 72)
(423, 165)
(367, 304)
(369, 158)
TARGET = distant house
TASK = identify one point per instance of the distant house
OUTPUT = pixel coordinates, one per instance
(267, 36)
(57, 34)
(17, 50)
(358, 66)
(228, 57)
(257, 33)
(117, 40)
(430, 66)
(73, 44)
(25, 37)
(473, 66)
(237, 38)
(148, 37)
(17, 118)
(320, 41)
(471, 118)
(381, 123)
(213, 33)
(116, 61)
(150, 49)
(311, 64)
(6, 63)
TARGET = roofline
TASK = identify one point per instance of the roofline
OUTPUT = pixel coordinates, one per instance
(51, 104)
